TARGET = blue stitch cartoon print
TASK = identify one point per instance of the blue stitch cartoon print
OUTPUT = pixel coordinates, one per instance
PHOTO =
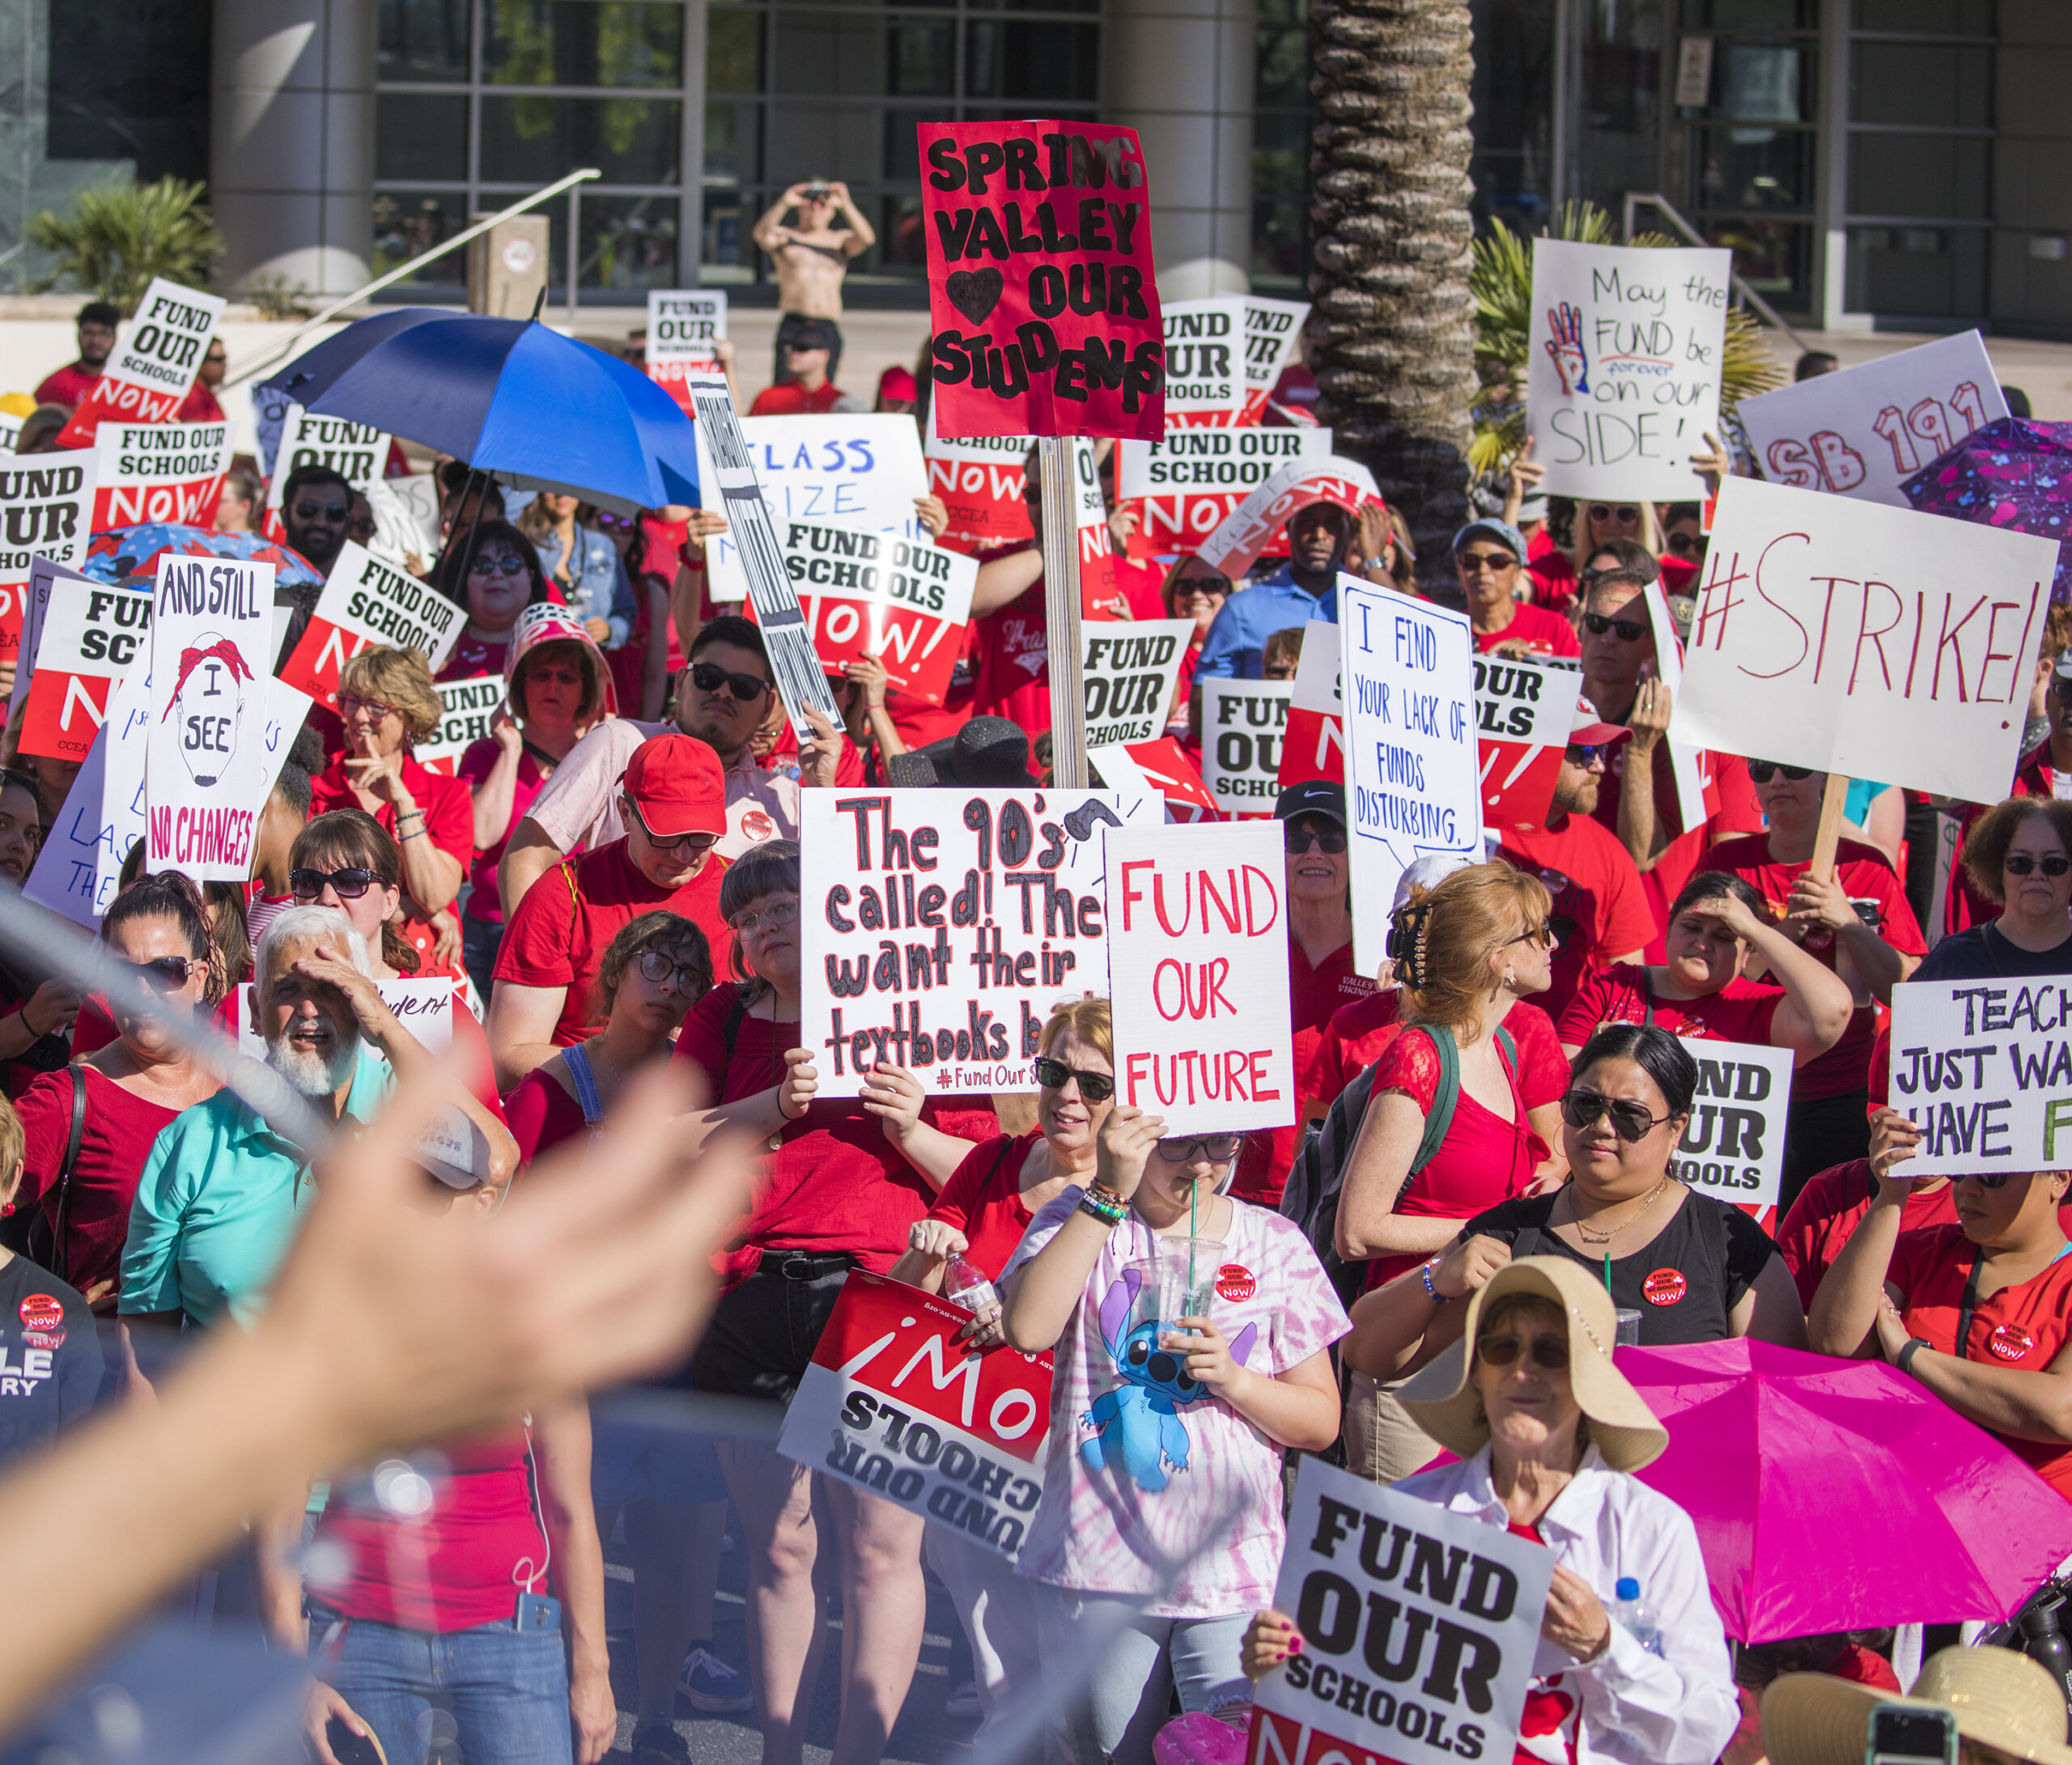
(1137, 1426)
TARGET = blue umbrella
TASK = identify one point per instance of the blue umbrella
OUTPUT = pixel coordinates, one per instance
(536, 410)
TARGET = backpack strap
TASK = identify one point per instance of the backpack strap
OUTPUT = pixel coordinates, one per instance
(578, 1062)
(1445, 1098)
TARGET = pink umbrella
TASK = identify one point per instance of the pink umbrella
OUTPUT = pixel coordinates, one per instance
(1839, 1495)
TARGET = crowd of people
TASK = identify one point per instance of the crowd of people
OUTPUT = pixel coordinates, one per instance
(1479, 1198)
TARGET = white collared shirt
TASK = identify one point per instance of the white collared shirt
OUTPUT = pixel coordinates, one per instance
(1636, 1708)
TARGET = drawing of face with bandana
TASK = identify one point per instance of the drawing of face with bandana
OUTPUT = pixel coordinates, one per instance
(208, 701)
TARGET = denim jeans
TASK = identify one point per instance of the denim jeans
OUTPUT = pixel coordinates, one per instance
(480, 941)
(508, 1693)
(1141, 1667)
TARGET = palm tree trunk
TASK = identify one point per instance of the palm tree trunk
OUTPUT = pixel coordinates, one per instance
(1391, 339)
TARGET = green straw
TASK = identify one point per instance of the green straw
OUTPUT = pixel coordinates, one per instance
(1607, 1272)
(1193, 1196)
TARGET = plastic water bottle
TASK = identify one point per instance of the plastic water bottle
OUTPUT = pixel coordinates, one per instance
(1630, 1610)
(965, 1284)
(2044, 1641)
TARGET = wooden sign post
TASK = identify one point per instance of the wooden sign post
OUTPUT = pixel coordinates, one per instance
(1061, 611)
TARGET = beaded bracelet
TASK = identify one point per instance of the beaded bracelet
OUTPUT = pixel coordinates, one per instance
(1104, 1205)
(1425, 1269)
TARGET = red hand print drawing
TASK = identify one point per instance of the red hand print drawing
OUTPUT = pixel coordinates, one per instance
(1565, 347)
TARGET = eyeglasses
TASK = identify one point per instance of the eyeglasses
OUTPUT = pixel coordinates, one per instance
(1473, 562)
(1201, 585)
(660, 969)
(778, 913)
(708, 678)
(606, 518)
(559, 677)
(348, 885)
(1331, 842)
(1625, 514)
(1630, 1121)
(1549, 1352)
(1685, 545)
(1054, 1074)
(698, 843)
(497, 566)
(308, 511)
(1762, 771)
(1587, 754)
(1542, 933)
(1214, 1148)
(163, 974)
(2023, 864)
(351, 703)
(1629, 630)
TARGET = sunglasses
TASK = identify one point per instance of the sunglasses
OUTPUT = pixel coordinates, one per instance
(1542, 933)
(1201, 585)
(1587, 754)
(2023, 864)
(163, 974)
(1054, 1075)
(1549, 1352)
(513, 567)
(1214, 1148)
(1986, 1179)
(306, 511)
(348, 885)
(747, 688)
(559, 677)
(350, 703)
(1624, 513)
(1630, 1121)
(1762, 771)
(1493, 562)
(1629, 630)
(698, 843)
(606, 518)
(777, 913)
(1331, 842)
(659, 968)
(1685, 545)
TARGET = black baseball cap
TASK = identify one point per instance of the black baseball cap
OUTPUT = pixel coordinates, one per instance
(1313, 796)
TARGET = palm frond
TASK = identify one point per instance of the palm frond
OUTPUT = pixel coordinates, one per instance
(118, 236)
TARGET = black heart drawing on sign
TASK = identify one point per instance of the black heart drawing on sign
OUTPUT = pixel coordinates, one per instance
(975, 293)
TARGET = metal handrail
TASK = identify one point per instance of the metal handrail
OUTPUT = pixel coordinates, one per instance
(281, 351)
(1635, 198)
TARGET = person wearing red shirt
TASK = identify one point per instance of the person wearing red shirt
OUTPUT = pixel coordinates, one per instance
(502, 579)
(70, 384)
(1832, 1205)
(200, 405)
(1489, 555)
(673, 799)
(1983, 1314)
(2037, 775)
(1600, 914)
(1356, 1034)
(1861, 917)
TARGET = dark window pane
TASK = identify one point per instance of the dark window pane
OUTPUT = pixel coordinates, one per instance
(583, 43)
(733, 143)
(1279, 252)
(1032, 61)
(1271, 12)
(407, 223)
(1764, 83)
(923, 58)
(1923, 85)
(1951, 18)
(1916, 271)
(834, 52)
(1925, 175)
(421, 136)
(1283, 75)
(1513, 93)
(1751, 15)
(734, 52)
(900, 243)
(809, 141)
(536, 140)
(422, 40)
(628, 242)
(1758, 169)
(903, 146)
(1773, 257)
(1035, 5)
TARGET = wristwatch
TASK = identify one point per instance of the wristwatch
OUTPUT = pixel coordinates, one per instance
(1904, 1359)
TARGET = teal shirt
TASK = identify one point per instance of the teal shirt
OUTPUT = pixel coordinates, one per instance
(216, 1206)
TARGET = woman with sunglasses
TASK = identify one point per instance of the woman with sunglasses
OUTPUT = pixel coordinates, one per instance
(493, 581)
(124, 1093)
(1166, 1431)
(1979, 1311)
(2018, 855)
(1197, 591)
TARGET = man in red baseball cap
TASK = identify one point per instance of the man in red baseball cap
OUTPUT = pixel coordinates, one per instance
(673, 800)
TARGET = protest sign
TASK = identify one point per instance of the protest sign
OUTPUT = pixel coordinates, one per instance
(1038, 237)
(1450, 1683)
(44, 579)
(206, 770)
(89, 635)
(996, 896)
(1985, 1070)
(1184, 487)
(1131, 668)
(1242, 725)
(1273, 330)
(894, 1403)
(1623, 366)
(1732, 1149)
(1205, 361)
(1154, 769)
(1523, 713)
(46, 511)
(78, 866)
(1949, 840)
(11, 421)
(405, 517)
(367, 602)
(1256, 523)
(867, 593)
(1860, 431)
(982, 481)
(1873, 641)
(158, 472)
(357, 452)
(424, 1005)
(1197, 974)
(1412, 775)
(1693, 768)
(1315, 744)
(153, 366)
(469, 706)
(683, 326)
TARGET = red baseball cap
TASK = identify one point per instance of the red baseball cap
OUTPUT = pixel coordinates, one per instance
(677, 783)
(895, 382)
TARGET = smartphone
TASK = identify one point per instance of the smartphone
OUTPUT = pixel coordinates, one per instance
(538, 1614)
(1906, 1734)
(351, 1749)
(1868, 910)
(818, 192)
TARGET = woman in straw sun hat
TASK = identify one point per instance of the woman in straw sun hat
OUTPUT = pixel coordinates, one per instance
(2007, 1706)
(1549, 1431)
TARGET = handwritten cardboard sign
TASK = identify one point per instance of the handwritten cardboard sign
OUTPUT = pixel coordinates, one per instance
(1412, 775)
(983, 482)
(1273, 328)
(1154, 769)
(939, 926)
(1984, 1069)
(1523, 713)
(357, 452)
(90, 635)
(405, 517)
(424, 1005)
(868, 593)
(155, 361)
(469, 704)
(1242, 726)
(684, 327)
(1184, 486)
(1256, 523)
(1131, 670)
(79, 866)
(1623, 366)
(46, 513)
(368, 603)
(1420, 1626)
(1315, 747)
(1861, 431)
(158, 472)
(1733, 1150)
(1874, 641)
(1198, 971)
(1205, 383)
(893, 1403)
(1041, 295)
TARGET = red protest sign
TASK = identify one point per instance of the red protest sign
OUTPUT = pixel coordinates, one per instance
(92, 634)
(365, 602)
(1042, 296)
(1523, 713)
(1314, 745)
(152, 369)
(160, 472)
(983, 482)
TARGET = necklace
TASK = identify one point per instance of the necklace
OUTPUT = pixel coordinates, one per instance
(1647, 1201)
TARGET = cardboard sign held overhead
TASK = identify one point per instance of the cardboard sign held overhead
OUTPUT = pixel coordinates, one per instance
(91, 635)
(364, 603)
(1315, 747)
(1205, 383)
(469, 706)
(1198, 972)
(153, 366)
(1131, 668)
(46, 512)
(158, 472)
(1256, 523)
(983, 482)
(1623, 366)
(1184, 487)
(1273, 329)
(1876, 642)
(684, 325)
(78, 866)
(44, 579)
(357, 452)
(1861, 431)
(1042, 295)
(867, 593)
(1523, 713)
(1243, 723)
(1984, 1070)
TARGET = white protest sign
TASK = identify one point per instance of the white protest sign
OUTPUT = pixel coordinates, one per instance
(1315, 747)
(1185, 487)
(46, 513)
(1697, 790)
(1860, 431)
(1249, 528)
(1413, 770)
(1132, 669)
(894, 1403)
(938, 928)
(982, 481)
(356, 452)
(1949, 840)
(366, 602)
(1198, 973)
(683, 324)
(469, 704)
(1733, 1150)
(1523, 713)
(425, 1004)
(405, 517)
(906, 601)
(1242, 724)
(207, 769)
(1876, 642)
(10, 424)
(44, 579)
(158, 472)
(89, 635)
(1984, 1069)
(1453, 1606)
(1273, 330)
(1623, 366)
(1205, 346)
(154, 363)
(77, 868)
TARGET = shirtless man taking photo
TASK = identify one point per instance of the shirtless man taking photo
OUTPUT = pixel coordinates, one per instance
(811, 257)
